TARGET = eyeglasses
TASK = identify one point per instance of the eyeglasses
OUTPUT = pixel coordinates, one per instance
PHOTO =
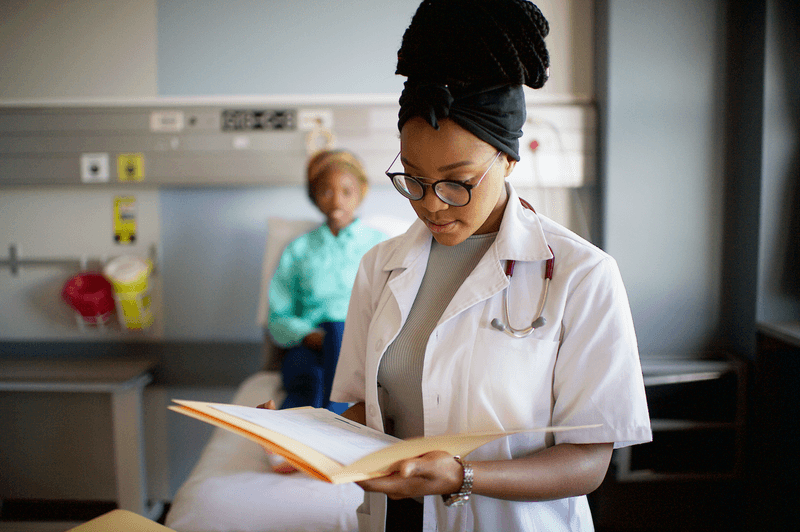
(455, 193)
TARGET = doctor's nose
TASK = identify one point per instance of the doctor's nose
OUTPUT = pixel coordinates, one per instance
(431, 202)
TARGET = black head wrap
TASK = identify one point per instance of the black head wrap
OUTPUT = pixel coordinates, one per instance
(494, 114)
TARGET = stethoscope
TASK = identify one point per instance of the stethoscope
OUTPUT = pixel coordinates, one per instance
(539, 321)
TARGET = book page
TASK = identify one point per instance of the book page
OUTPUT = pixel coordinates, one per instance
(336, 437)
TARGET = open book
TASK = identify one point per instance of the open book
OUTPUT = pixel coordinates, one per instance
(330, 447)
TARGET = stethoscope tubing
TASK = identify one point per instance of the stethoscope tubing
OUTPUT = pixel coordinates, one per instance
(539, 320)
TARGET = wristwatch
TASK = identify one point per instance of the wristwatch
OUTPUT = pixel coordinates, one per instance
(458, 499)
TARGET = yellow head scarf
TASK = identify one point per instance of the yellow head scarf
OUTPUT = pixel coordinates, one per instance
(326, 160)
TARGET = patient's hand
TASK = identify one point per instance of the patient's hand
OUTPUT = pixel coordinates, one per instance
(314, 340)
(278, 463)
(357, 413)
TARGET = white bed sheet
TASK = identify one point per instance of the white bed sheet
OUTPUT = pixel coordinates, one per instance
(233, 489)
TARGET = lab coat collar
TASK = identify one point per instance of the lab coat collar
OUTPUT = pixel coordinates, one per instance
(415, 242)
(520, 237)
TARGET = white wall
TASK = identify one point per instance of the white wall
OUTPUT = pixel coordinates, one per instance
(142, 48)
(77, 49)
(326, 46)
(67, 224)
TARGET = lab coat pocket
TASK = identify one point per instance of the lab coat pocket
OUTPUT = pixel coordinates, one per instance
(363, 517)
(513, 377)
(371, 515)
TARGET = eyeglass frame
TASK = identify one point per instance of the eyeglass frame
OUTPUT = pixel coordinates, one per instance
(466, 186)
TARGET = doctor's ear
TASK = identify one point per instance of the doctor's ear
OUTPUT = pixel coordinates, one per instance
(510, 164)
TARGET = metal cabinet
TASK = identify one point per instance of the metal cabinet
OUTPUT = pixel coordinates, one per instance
(690, 476)
(697, 411)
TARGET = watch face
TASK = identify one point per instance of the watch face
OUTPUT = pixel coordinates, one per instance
(456, 500)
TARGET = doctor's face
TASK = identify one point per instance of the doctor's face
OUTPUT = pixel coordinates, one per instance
(455, 154)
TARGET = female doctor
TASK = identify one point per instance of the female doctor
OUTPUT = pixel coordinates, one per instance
(437, 337)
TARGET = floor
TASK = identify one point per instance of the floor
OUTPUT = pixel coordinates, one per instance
(37, 526)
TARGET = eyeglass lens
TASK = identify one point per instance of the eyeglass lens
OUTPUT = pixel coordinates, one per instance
(449, 192)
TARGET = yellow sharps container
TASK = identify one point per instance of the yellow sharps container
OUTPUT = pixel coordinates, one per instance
(129, 275)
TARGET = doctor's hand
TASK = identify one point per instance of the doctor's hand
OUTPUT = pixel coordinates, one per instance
(277, 462)
(430, 474)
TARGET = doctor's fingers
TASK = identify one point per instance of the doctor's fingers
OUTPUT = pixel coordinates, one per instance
(397, 487)
(269, 405)
(432, 465)
(429, 474)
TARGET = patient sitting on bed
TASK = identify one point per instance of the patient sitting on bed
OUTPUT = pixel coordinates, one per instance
(310, 290)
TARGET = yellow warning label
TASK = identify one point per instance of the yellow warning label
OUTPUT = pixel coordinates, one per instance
(124, 219)
(130, 166)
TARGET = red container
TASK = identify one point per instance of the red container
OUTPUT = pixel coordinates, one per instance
(91, 295)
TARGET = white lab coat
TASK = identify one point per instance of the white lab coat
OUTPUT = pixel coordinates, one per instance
(581, 368)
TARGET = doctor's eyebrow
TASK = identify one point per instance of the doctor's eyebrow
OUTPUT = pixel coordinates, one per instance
(444, 168)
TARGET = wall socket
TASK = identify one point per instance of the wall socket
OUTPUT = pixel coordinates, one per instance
(309, 119)
(95, 168)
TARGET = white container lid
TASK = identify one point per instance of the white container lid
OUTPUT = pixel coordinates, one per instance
(126, 268)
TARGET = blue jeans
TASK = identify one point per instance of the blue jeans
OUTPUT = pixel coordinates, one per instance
(308, 374)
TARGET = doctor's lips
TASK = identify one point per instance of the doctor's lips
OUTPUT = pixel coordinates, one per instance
(439, 228)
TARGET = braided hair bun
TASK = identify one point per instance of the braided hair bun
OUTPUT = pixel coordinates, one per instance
(469, 42)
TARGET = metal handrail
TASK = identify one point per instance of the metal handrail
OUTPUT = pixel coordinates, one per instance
(14, 262)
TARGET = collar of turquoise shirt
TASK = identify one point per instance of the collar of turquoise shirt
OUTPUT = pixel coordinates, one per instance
(346, 233)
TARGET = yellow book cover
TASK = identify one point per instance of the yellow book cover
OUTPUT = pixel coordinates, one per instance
(120, 521)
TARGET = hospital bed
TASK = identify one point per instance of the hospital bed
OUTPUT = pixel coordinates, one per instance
(232, 487)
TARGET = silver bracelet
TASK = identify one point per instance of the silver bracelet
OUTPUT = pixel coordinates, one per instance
(462, 496)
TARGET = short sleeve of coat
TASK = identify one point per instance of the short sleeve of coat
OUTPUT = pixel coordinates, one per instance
(598, 375)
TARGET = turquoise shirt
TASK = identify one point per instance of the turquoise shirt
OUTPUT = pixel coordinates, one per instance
(314, 278)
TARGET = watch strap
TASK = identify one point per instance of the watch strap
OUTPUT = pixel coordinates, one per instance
(463, 494)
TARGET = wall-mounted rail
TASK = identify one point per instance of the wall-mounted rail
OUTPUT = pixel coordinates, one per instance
(15, 261)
